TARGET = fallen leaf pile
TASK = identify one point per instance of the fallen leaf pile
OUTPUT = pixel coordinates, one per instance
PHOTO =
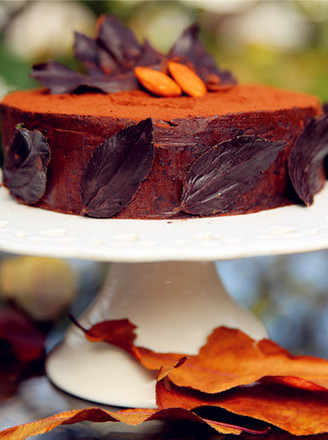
(234, 385)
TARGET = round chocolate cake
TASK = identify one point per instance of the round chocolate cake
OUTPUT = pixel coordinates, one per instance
(103, 145)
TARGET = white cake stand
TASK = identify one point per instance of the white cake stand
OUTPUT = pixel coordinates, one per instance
(162, 278)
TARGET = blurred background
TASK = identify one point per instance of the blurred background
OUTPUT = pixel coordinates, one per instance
(283, 43)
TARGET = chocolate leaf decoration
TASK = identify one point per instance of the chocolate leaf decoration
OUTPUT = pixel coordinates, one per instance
(57, 78)
(150, 56)
(118, 40)
(111, 57)
(114, 51)
(97, 61)
(306, 159)
(25, 165)
(189, 48)
(217, 179)
(116, 170)
(60, 79)
(109, 60)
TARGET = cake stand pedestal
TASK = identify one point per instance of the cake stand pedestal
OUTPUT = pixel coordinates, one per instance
(162, 279)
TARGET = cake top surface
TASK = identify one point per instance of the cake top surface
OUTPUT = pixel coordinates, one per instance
(138, 104)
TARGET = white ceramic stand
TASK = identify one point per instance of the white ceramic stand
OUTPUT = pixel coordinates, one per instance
(162, 279)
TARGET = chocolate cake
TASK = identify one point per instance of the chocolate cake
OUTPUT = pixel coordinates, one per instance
(102, 144)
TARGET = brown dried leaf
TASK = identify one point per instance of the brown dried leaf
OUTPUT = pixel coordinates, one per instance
(230, 358)
(94, 414)
(300, 412)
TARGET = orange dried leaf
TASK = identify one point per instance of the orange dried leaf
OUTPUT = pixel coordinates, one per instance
(118, 332)
(230, 358)
(94, 414)
(298, 411)
(232, 372)
(121, 333)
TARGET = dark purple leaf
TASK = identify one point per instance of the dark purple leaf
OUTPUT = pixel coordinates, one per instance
(96, 60)
(116, 170)
(306, 159)
(60, 79)
(188, 48)
(325, 107)
(114, 51)
(149, 56)
(118, 40)
(25, 165)
(57, 78)
(112, 84)
(225, 172)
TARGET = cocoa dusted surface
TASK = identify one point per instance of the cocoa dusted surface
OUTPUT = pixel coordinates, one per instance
(138, 105)
(184, 128)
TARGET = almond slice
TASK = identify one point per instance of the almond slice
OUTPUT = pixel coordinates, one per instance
(157, 82)
(187, 79)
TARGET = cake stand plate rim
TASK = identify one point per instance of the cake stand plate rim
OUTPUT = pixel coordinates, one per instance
(292, 229)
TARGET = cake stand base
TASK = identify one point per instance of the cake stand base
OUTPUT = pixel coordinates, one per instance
(175, 306)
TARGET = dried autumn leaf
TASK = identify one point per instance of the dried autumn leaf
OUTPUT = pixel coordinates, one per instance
(230, 358)
(278, 434)
(121, 333)
(295, 405)
(300, 412)
(118, 332)
(129, 416)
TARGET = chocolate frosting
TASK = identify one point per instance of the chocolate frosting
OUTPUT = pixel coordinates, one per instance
(25, 165)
